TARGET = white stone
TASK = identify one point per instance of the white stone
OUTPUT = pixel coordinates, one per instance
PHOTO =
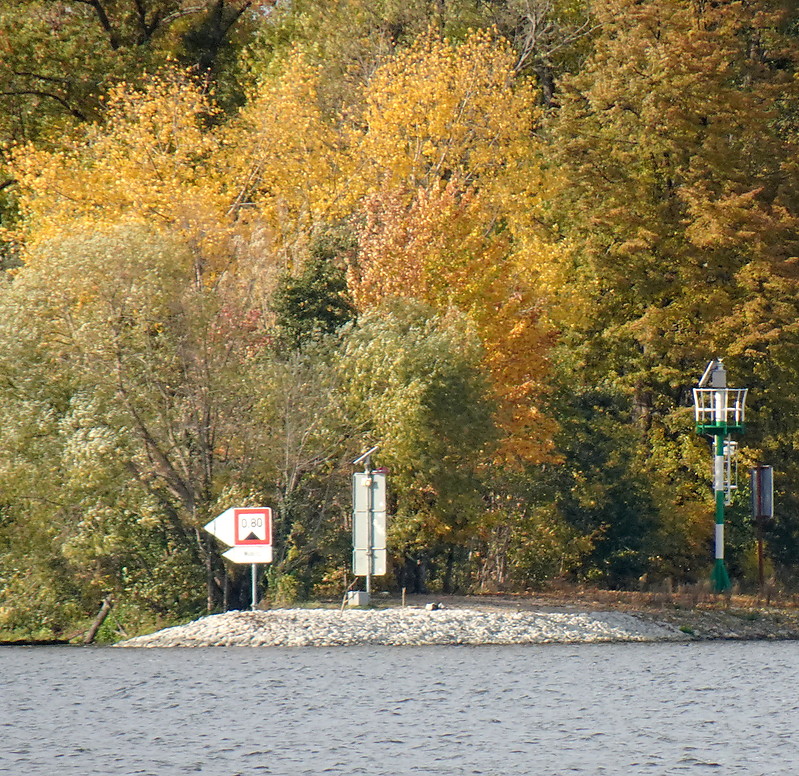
(328, 627)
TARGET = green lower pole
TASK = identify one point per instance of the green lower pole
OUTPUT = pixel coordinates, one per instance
(720, 577)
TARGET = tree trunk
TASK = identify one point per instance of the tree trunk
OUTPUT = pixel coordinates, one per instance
(98, 621)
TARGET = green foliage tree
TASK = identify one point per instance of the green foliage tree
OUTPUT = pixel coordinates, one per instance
(415, 382)
(145, 372)
(316, 301)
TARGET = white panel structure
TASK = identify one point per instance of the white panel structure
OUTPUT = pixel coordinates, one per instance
(369, 524)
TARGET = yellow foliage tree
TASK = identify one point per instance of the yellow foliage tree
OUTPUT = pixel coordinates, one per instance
(258, 184)
(283, 162)
(438, 110)
(151, 162)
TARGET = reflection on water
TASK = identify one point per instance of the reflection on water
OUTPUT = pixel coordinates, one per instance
(618, 709)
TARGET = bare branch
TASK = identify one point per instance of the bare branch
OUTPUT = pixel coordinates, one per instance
(40, 77)
(104, 21)
(38, 93)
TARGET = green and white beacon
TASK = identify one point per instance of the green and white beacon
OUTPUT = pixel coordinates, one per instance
(719, 412)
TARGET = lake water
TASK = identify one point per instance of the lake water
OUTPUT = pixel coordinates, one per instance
(621, 709)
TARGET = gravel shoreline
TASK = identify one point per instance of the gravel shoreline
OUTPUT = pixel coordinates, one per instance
(407, 627)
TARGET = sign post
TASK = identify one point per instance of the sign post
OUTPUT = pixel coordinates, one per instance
(761, 480)
(248, 532)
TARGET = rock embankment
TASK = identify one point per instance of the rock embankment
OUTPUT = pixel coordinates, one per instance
(405, 627)
(730, 624)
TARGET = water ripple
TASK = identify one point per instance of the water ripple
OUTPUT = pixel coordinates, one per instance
(450, 711)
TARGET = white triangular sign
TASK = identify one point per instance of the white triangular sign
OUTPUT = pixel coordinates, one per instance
(223, 527)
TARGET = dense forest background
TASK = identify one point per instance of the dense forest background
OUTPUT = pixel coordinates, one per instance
(244, 241)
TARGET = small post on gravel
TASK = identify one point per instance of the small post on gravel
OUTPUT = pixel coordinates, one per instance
(719, 411)
(254, 587)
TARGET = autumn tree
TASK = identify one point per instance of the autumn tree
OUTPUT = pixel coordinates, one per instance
(438, 110)
(59, 58)
(397, 236)
(283, 162)
(675, 139)
(440, 250)
(444, 158)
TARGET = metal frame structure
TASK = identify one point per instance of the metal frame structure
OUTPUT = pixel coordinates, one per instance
(719, 411)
